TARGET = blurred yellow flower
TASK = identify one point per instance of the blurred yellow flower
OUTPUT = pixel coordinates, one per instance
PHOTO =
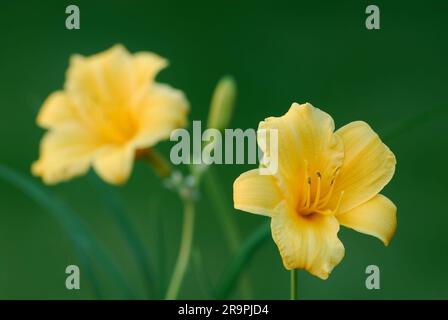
(324, 179)
(110, 107)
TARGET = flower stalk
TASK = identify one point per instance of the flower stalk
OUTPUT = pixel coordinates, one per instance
(186, 189)
(293, 295)
(184, 251)
(159, 164)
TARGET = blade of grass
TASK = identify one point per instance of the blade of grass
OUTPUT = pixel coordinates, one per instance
(242, 258)
(115, 206)
(161, 246)
(227, 223)
(85, 266)
(84, 241)
(201, 274)
(221, 204)
(412, 122)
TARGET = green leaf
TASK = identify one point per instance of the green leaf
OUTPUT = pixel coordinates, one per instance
(161, 245)
(413, 122)
(242, 258)
(225, 218)
(115, 206)
(201, 274)
(86, 245)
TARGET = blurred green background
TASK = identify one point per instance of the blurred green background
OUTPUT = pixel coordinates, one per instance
(278, 52)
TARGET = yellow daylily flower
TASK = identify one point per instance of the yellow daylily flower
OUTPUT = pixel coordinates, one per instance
(324, 179)
(110, 107)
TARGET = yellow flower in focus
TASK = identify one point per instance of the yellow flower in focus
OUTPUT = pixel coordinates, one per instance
(324, 179)
(110, 107)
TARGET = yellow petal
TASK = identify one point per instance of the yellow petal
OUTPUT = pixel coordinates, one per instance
(256, 193)
(114, 163)
(65, 153)
(161, 111)
(114, 76)
(368, 166)
(108, 78)
(309, 243)
(376, 217)
(118, 74)
(306, 145)
(147, 65)
(58, 109)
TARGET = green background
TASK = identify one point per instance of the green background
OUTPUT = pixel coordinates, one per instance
(278, 52)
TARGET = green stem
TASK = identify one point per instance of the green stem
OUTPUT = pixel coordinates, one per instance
(164, 170)
(293, 284)
(159, 164)
(184, 250)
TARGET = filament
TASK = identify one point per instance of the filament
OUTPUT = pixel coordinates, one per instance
(317, 197)
(339, 203)
(308, 192)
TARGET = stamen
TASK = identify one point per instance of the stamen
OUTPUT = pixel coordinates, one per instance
(325, 212)
(327, 197)
(317, 197)
(306, 187)
(339, 203)
(308, 192)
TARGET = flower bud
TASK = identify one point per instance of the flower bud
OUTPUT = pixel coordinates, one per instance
(221, 107)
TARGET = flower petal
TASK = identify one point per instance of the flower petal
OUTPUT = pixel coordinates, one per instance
(306, 145)
(114, 163)
(58, 109)
(256, 193)
(161, 111)
(114, 76)
(376, 217)
(368, 166)
(119, 74)
(309, 243)
(147, 65)
(65, 153)
(108, 78)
